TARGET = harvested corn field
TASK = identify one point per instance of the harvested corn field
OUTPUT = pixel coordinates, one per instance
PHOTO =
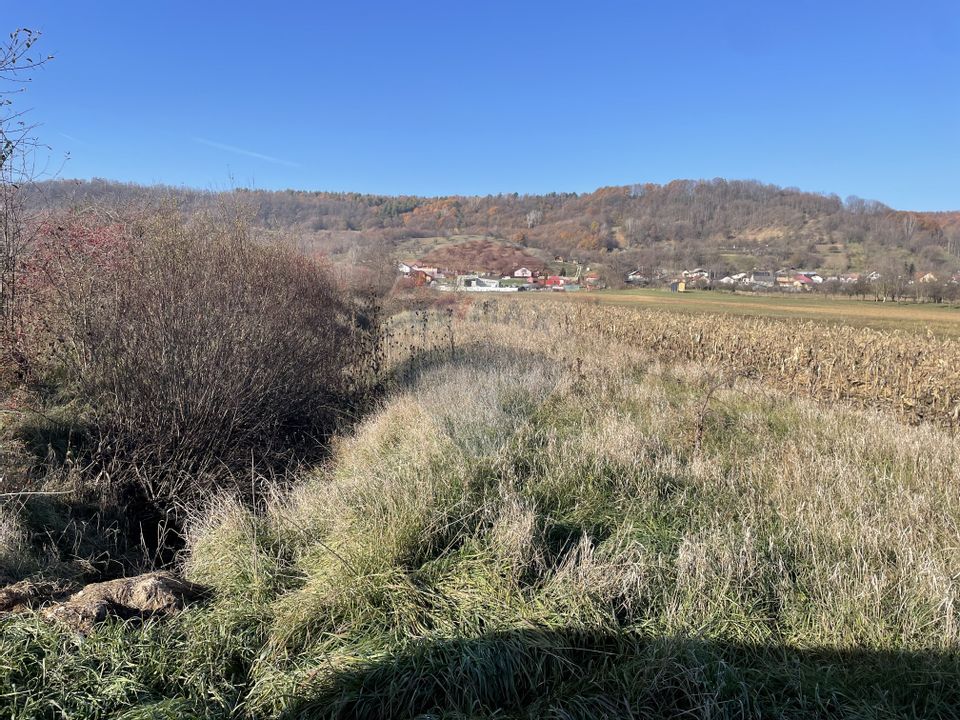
(915, 376)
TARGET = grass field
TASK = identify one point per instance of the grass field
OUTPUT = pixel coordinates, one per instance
(942, 320)
(531, 526)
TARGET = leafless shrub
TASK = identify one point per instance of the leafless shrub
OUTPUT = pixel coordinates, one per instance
(199, 352)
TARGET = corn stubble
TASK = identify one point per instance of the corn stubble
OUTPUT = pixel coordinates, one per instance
(914, 375)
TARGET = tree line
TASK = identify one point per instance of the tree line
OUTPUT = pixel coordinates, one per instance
(679, 224)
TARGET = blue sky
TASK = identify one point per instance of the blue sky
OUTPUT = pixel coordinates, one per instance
(471, 98)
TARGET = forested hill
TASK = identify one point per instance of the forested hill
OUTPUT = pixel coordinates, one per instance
(722, 224)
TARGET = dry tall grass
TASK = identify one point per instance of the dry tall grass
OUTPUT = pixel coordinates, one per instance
(537, 526)
(915, 376)
(523, 482)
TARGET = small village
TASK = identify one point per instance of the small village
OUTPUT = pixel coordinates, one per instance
(576, 276)
(521, 279)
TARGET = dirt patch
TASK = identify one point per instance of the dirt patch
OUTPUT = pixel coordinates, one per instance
(29, 594)
(157, 594)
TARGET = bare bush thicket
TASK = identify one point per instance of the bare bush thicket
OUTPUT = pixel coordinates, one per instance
(197, 352)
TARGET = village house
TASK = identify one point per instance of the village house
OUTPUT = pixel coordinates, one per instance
(592, 279)
(811, 275)
(420, 277)
(762, 278)
(640, 277)
(411, 267)
(696, 274)
(477, 283)
(785, 282)
(927, 277)
(523, 273)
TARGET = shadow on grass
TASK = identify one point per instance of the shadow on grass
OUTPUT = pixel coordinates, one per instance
(472, 355)
(567, 674)
(50, 438)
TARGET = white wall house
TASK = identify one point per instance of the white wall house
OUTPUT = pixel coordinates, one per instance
(474, 283)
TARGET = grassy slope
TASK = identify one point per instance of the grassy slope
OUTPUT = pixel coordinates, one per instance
(541, 529)
(940, 319)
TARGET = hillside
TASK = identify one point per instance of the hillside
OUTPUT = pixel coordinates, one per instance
(724, 225)
(481, 254)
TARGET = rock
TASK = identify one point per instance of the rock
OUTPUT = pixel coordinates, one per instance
(154, 594)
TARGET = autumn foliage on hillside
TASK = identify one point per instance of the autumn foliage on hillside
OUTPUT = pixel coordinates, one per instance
(483, 256)
(946, 222)
(685, 222)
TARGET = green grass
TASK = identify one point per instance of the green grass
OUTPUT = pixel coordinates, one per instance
(529, 528)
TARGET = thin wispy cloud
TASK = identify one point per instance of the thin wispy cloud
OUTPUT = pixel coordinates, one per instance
(241, 151)
(73, 139)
